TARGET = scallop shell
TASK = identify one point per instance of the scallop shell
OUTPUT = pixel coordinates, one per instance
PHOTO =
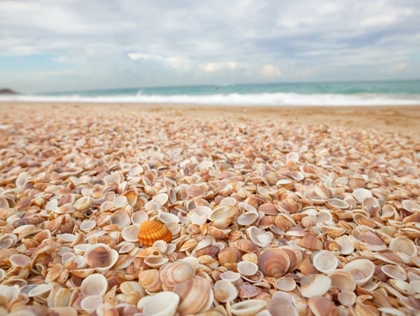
(151, 231)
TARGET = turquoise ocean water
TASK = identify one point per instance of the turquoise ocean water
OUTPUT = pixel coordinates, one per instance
(337, 93)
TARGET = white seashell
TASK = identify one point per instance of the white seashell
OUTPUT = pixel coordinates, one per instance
(139, 217)
(285, 284)
(342, 280)
(362, 270)
(167, 218)
(259, 237)
(87, 225)
(152, 206)
(248, 308)
(247, 268)
(246, 219)
(347, 298)
(94, 284)
(101, 257)
(230, 276)
(130, 286)
(347, 247)
(391, 311)
(64, 311)
(228, 201)
(325, 261)
(394, 271)
(40, 290)
(120, 218)
(324, 216)
(130, 233)
(155, 261)
(224, 291)
(161, 199)
(162, 304)
(314, 285)
(403, 244)
(200, 215)
(411, 206)
(361, 194)
(66, 237)
(105, 206)
(90, 303)
(80, 249)
(18, 260)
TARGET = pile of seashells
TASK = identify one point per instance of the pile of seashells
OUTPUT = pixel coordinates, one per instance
(151, 214)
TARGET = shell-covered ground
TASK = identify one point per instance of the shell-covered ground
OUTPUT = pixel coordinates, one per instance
(261, 216)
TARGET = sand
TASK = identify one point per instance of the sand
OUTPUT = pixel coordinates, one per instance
(402, 119)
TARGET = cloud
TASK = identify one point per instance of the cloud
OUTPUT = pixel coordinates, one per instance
(188, 42)
(400, 66)
(270, 71)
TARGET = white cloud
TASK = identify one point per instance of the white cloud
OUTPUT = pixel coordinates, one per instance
(219, 66)
(270, 71)
(400, 66)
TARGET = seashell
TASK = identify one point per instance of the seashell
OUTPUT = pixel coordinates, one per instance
(310, 241)
(246, 245)
(90, 303)
(161, 199)
(268, 209)
(229, 255)
(248, 291)
(325, 261)
(200, 215)
(39, 290)
(18, 260)
(346, 245)
(361, 270)
(150, 280)
(130, 286)
(335, 203)
(411, 206)
(162, 304)
(360, 194)
(222, 216)
(7, 241)
(94, 284)
(370, 240)
(224, 291)
(394, 271)
(284, 222)
(274, 262)
(188, 245)
(403, 244)
(309, 221)
(139, 217)
(195, 191)
(279, 306)
(347, 298)
(101, 257)
(196, 295)
(173, 274)
(211, 251)
(247, 219)
(167, 218)
(247, 268)
(250, 257)
(321, 306)
(218, 233)
(155, 261)
(248, 307)
(130, 233)
(259, 237)
(62, 298)
(230, 276)
(150, 231)
(342, 280)
(285, 284)
(120, 218)
(314, 284)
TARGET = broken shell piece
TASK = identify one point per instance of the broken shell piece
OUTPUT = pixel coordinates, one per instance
(94, 284)
(162, 304)
(325, 261)
(224, 291)
(248, 308)
(361, 270)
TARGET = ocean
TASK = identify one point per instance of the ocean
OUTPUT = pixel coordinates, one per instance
(291, 94)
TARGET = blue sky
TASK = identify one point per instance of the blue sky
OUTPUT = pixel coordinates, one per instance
(69, 45)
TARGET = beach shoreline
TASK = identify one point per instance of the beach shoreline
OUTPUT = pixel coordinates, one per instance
(401, 119)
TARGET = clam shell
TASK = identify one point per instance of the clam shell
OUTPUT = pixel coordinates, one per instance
(101, 257)
(196, 296)
(314, 284)
(285, 284)
(325, 261)
(247, 268)
(321, 306)
(224, 291)
(259, 237)
(361, 270)
(248, 308)
(150, 280)
(94, 284)
(394, 271)
(403, 244)
(342, 280)
(90, 303)
(173, 274)
(274, 262)
(162, 304)
(151, 231)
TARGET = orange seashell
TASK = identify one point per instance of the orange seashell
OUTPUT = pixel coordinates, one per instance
(150, 231)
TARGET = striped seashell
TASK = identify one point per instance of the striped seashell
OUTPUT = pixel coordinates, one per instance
(151, 231)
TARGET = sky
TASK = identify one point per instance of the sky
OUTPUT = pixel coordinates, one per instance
(65, 45)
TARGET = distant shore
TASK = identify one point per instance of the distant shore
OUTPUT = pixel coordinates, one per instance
(404, 119)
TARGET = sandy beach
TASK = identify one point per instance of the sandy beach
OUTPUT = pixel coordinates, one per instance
(116, 209)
